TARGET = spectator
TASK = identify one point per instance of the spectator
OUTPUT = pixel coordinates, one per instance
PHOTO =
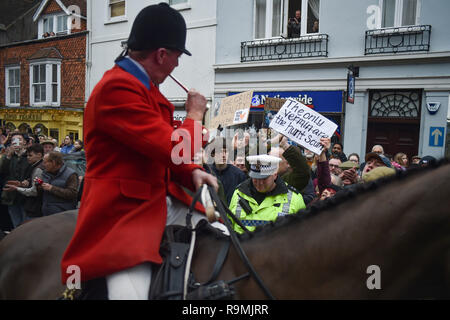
(325, 187)
(294, 169)
(426, 161)
(48, 145)
(294, 25)
(60, 185)
(264, 196)
(3, 137)
(77, 147)
(315, 28)
(28, 188)
(334, 166)
(402, 160)
(349, 174)
(337, 153)
(375, 160)
(415, 160)
(56, 149)
(228, 174)
(378, 173)
(67, 146)
(378, 149)
(354, 157)
(16, 169)
(239, 162)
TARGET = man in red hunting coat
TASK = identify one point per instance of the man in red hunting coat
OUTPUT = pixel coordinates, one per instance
(132, 182)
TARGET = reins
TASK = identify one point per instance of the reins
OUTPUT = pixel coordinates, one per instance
(223, 211)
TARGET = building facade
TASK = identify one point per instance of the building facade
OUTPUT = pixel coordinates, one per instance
(110, 22)
(42, 79)
(399, 50)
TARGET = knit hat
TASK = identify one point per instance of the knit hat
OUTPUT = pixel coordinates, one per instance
(158, 26)
(427, 160)
(263, 166)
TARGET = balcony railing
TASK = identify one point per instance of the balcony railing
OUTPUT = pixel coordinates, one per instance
(277, 49)
(398, 39)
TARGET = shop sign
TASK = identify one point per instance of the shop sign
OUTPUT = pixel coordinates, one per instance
(22, 117)
(320, 101)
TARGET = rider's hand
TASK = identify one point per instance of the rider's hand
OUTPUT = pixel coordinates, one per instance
(200, 177)
(195, 105)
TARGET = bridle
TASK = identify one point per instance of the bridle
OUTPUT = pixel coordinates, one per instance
(224, 213)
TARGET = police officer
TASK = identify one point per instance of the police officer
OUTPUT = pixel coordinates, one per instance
(264, 196)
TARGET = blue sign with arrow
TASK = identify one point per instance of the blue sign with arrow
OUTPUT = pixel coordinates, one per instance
(437, 136)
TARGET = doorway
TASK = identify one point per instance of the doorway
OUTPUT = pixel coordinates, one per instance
(394, 121)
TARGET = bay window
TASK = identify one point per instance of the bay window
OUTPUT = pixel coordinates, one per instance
(45, 83)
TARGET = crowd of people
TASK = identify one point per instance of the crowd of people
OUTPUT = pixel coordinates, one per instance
(38, 177)
(294, 178)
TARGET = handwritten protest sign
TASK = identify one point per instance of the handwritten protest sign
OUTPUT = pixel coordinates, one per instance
(233, 110)
(303, 125)
(271, 108)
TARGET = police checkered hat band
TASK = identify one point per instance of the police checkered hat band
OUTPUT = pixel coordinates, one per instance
(263, 166)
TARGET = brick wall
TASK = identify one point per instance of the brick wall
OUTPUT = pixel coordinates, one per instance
(52, 7)
(73, 68)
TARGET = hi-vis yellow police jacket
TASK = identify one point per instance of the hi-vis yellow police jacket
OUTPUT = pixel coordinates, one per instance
(283, 200)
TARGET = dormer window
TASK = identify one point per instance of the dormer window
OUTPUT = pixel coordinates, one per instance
(51, 25)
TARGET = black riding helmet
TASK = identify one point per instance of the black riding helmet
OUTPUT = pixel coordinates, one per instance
(158, 26)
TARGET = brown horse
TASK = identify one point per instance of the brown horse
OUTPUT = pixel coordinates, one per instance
(383, 240)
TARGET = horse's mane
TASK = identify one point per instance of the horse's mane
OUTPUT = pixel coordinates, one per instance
(345, 195)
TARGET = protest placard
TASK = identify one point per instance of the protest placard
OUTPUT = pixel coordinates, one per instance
(271, 108)
(233, 110)
(303, 125)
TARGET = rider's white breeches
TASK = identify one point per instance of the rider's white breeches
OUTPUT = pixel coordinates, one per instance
(134, 283)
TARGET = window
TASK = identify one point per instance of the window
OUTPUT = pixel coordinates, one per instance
(397, 13)
(39, 87)
(173, 2)
(48, 24)
(116, 8)
(309, 16)
(45, 83)
(268, 18)
(61, 24)
(53, 24)
(12, 80)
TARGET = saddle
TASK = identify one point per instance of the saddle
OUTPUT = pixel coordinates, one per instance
(169, 282)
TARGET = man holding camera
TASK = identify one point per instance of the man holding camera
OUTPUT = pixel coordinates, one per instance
(294, 25)
(15, 168)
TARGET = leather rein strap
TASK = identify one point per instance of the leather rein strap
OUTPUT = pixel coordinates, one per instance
(224, 210)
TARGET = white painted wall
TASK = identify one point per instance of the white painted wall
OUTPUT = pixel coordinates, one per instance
(195, 72)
